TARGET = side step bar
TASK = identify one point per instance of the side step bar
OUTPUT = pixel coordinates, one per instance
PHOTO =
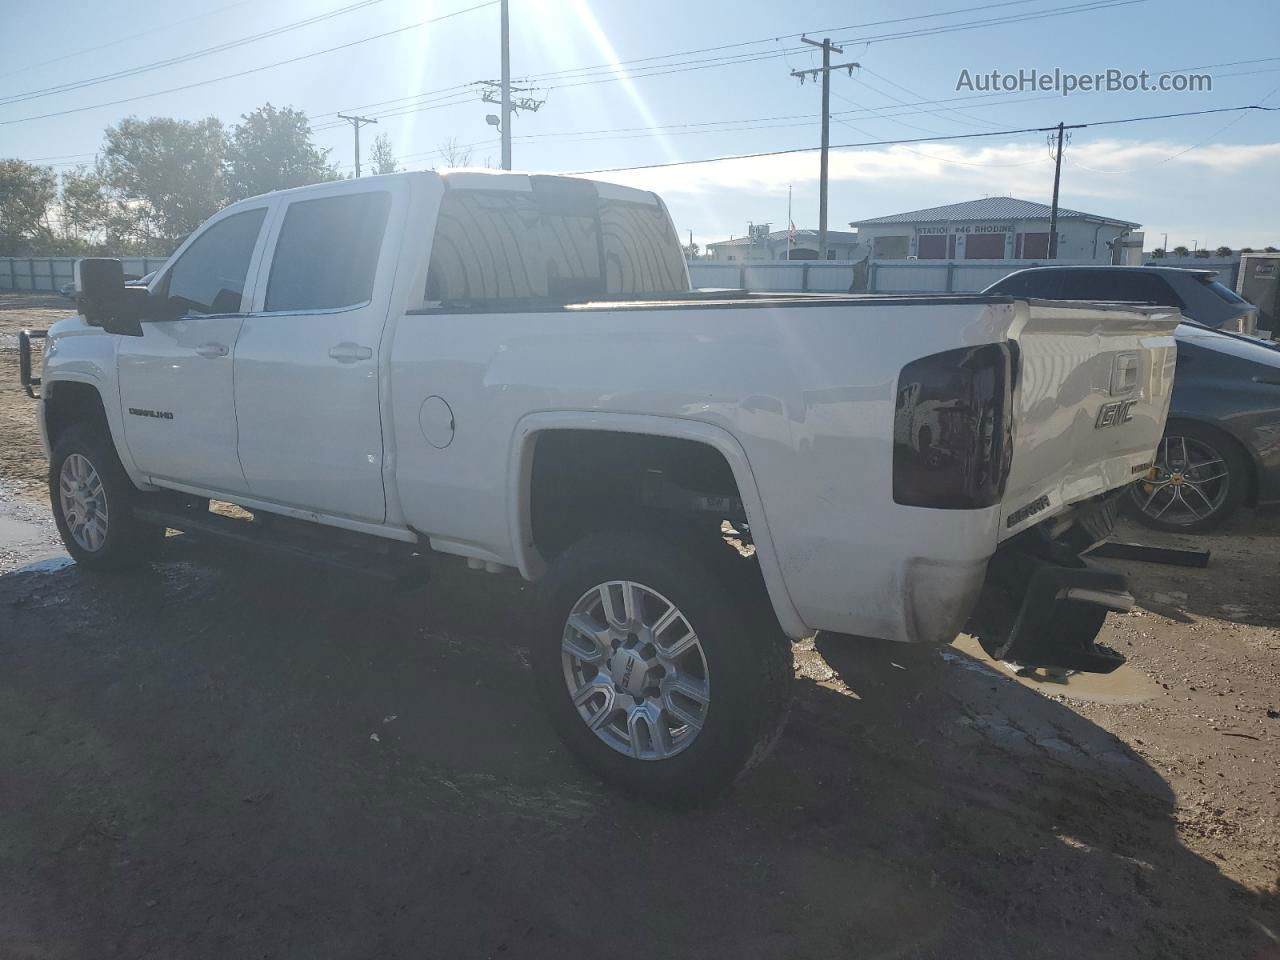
(400, 571)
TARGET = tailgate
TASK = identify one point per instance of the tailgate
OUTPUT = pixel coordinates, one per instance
(1090, 401)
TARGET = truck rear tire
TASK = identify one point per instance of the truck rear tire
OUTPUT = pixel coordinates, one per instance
(656, 666)
(93, 499)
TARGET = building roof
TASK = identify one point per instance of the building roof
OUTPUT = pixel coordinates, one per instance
(833, 236)
(989, 208)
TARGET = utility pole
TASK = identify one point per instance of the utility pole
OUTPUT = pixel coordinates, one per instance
(512, 99)
(505, 129)
(1057, 178)
(356, 124)
(825, 71)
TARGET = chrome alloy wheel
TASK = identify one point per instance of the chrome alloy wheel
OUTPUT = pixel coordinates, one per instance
(83, 502)
(1188, 481)
(635, 670)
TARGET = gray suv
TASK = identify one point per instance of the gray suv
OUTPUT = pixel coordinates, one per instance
(1196, 293)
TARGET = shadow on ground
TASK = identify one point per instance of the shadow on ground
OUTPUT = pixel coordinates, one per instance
(250, 760)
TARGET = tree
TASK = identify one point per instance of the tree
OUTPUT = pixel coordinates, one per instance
(1159, 253)
(691, 250)
(384, 161)
(271, 149)
(26, 194)
(1181, 252)
(164, 177)
(453, 154)
(1270, 250)
(85, 208)
(1222, 252)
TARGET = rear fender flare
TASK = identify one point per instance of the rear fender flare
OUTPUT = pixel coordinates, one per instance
(519, 513)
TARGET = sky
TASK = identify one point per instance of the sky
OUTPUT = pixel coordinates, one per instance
(628, 84)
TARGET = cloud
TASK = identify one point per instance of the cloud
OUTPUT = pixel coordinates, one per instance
(1194, 191)
(1011, 163)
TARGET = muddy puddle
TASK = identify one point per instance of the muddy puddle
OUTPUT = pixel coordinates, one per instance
(1125, 685)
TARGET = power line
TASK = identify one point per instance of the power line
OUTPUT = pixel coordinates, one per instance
(1090, 6)
(610, 73)
(1221, 130)
(728, 60)
(167, 25)
(885, 143)
(787, 36)
(252, 70)
(867, 143)
(446, 100)
(736, 125)
(614, 72)
(958, 118)
(186, 57)
(917, 107)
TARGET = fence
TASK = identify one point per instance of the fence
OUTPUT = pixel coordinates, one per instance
(882, 276)
(815, 276)
(823, 276)
(50, 273)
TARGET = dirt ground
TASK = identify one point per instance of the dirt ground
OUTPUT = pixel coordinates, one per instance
(22, 463)
(230, 757)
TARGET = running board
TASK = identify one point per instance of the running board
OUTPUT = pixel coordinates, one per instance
(400, 571)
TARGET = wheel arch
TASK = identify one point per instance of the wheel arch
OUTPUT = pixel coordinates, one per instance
(532, 564)
(67, 400)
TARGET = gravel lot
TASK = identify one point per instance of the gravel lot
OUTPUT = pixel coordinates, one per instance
(228, 757)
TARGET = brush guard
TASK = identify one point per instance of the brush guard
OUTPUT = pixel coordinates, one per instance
(29, 383)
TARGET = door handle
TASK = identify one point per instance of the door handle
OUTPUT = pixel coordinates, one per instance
(212, 350)
(348, 352)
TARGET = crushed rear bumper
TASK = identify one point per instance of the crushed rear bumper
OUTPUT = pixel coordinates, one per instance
(1041, 605)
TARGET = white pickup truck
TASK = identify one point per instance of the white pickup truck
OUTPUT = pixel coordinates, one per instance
(513, 370)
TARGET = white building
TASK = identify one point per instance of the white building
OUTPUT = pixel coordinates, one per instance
(996, 228)
(841, 245)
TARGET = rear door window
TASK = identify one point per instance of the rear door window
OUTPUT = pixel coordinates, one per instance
(326, 257)
(1122, 286)
(210, 275)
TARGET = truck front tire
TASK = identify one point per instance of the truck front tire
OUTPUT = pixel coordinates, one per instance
(657, 668)
(93, 499)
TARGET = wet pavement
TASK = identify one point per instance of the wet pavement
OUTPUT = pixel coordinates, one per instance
(27, 533)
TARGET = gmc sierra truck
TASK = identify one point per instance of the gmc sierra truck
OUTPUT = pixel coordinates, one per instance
(514, 370)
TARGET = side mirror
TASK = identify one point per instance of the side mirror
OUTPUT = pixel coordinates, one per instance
(104, 300)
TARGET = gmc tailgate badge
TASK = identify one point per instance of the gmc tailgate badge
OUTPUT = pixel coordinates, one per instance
(1115, 413)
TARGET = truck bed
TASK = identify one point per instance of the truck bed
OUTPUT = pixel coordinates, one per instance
(804, 387)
